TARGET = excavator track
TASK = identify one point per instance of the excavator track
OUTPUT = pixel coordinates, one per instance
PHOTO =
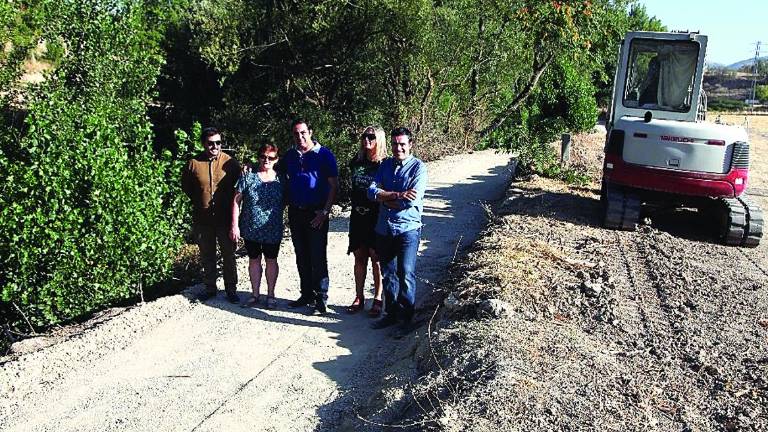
(622, 208)
(742, 222)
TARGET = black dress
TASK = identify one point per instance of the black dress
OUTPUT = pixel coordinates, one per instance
(365, 212)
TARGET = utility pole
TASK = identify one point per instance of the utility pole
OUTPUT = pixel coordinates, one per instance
(754, 74)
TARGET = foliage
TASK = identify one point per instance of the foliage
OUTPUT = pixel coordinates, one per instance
(454, 71)
(20, 21)
(637, 19)
(86, 215)
(725, 104)
(761, 93)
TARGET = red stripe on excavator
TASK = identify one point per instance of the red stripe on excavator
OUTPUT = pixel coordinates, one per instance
(680, 182)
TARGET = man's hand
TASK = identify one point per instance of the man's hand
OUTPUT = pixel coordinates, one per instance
(320, 217)
(234, 233)
(409, 195)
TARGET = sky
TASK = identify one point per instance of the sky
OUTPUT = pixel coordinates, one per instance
(733, 26)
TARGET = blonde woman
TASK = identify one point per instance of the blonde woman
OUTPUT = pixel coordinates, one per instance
(362, 238)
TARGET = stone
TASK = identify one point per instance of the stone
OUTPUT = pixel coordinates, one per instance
(495, 307)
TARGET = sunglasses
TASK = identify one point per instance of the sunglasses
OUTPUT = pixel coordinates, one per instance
(369, 137)
(216, 143)
(268, 158)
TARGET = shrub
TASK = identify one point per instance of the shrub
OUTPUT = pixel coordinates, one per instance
(87, 215)
(761, 93)
(723, 104)
(563, 102)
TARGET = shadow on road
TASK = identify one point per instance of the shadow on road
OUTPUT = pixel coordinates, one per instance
(444, 234)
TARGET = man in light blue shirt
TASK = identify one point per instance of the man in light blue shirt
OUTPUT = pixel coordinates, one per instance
(399, 186)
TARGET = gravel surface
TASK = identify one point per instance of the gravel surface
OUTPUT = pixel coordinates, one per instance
(174, 364)
(552, 322)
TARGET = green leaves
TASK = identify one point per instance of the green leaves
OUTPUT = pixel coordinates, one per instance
(85, 218)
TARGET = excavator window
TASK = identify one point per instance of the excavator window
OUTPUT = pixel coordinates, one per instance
(660, 74)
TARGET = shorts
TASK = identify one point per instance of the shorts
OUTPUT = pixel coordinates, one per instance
(361, 230)
(255, 249)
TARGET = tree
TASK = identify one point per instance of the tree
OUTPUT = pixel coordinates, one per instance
(86, 215)
(761, 93)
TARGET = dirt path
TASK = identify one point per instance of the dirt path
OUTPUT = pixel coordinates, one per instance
(177, 365)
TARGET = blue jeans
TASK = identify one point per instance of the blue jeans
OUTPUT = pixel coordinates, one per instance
(397, 256)
(311, 258)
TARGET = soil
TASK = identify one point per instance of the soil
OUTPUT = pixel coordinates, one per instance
(176, 364)
(552, 322)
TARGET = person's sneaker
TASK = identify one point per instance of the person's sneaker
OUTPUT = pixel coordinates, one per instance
(205, 295)
(385, 322)
(320, 307)
(233, 298)
(299, 302)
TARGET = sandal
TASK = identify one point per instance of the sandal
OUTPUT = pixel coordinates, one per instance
(252, 302)
(375, 310)
(356, 305)
(271, 302)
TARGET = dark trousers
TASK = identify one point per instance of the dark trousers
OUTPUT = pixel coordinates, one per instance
(310, 245)
(207, 237)
(397, 256)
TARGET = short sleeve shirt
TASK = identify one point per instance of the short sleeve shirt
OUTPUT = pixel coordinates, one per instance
(307, 175)
(261, 219)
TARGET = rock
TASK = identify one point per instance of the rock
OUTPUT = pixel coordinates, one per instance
(495, 307)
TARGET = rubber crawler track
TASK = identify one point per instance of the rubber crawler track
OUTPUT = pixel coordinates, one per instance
(622, 209)
(743, 222)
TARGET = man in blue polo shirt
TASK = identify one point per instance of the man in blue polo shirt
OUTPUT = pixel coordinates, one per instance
(312, 175)
(399, 186)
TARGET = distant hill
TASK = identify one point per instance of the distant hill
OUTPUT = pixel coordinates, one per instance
(747, 62)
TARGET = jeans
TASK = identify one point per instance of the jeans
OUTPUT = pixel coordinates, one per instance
(397, 256)
(207, 237)
(310, 245)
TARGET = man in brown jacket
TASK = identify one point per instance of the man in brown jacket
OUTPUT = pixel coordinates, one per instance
(209, 180)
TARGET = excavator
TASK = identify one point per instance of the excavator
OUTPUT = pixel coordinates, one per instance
(661, 151)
